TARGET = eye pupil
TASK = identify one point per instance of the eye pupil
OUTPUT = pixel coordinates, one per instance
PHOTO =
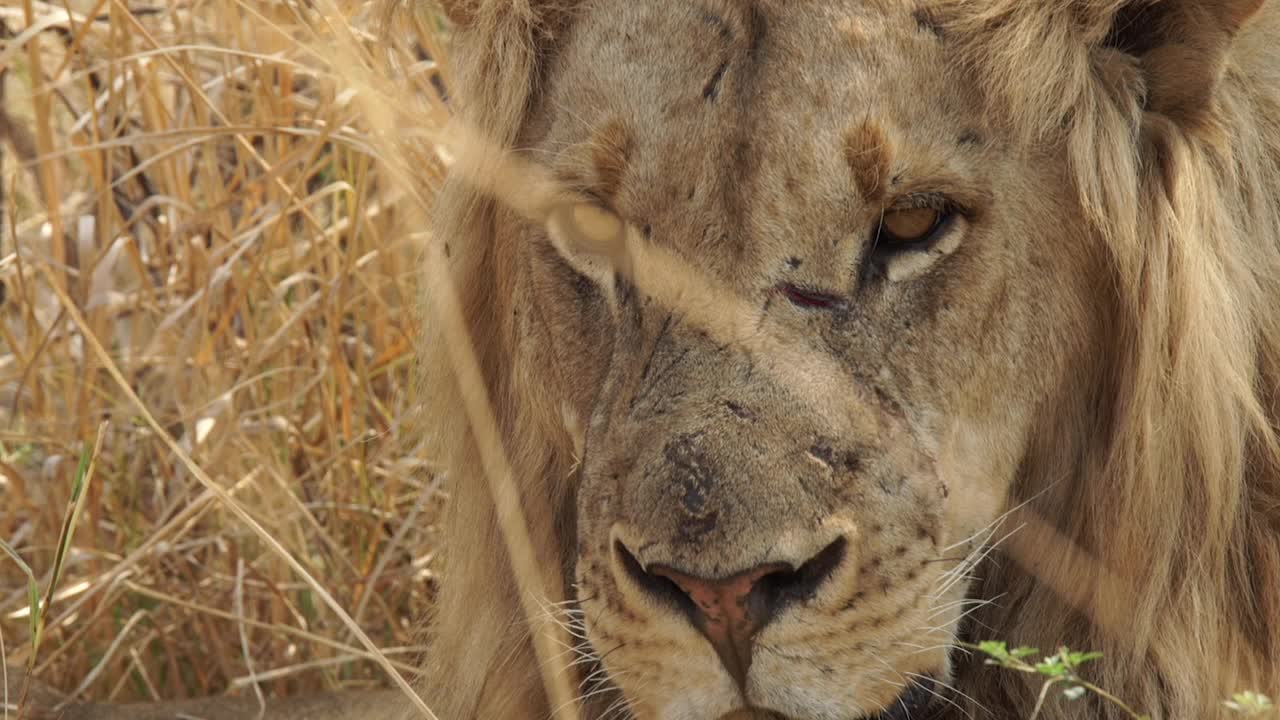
(909, 225)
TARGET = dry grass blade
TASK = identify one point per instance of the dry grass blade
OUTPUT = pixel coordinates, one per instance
(33, 591)
(238, 609)
(547, 636)
(48, 172)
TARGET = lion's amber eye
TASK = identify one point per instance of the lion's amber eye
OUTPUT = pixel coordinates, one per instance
(906, 226)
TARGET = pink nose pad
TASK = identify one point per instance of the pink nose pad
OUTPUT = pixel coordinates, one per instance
(729, 612)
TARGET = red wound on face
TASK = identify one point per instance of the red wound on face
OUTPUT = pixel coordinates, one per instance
(809, 299)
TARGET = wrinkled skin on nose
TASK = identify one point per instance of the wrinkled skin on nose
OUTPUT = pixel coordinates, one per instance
(709, 465)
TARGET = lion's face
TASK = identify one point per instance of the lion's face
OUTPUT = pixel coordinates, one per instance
(740, 548)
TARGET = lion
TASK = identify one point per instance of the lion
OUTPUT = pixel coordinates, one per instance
(1010, 368)
(1036, 245)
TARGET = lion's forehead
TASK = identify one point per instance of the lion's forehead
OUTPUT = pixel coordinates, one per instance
(749, 131)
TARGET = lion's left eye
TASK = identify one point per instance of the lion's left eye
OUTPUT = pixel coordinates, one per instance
(911, 226)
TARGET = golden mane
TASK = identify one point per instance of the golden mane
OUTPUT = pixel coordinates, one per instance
(482, 663)
(1178, 490)
(1179, 493)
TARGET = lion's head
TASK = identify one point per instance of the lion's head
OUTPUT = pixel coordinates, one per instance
(894, 283)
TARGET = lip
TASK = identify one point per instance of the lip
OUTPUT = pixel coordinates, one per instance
(922, 699)
(751, 713)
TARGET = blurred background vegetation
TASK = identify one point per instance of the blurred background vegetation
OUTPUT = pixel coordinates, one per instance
(191, 184)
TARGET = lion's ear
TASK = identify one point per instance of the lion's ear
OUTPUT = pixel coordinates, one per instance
(465, 13)
(459, 12)
(1181, 47)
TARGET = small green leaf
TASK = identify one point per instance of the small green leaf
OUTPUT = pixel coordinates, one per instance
(1250, 704)
(1076, 659)
(994, 648)
(1052, 666)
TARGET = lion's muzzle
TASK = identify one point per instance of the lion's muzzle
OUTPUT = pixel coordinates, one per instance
(724, 519)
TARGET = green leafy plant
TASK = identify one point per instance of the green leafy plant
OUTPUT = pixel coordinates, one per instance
(1251, 704)
(1060, 671)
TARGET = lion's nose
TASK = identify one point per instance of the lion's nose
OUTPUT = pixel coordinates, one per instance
(731, 611)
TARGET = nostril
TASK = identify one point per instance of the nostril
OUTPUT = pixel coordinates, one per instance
(658, 587)
(802, 584)
(822, 565)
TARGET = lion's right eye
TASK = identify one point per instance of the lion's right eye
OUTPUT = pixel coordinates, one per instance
(916, 232)
(912, 226)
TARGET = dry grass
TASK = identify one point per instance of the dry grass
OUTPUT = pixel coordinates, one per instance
(200, 180)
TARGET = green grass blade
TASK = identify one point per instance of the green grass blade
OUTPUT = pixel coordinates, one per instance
(79, 491)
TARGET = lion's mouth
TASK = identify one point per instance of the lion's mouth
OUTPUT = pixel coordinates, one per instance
(922, 699)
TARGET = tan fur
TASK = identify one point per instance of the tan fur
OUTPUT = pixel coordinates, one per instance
(610, 154)
(869, 156)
